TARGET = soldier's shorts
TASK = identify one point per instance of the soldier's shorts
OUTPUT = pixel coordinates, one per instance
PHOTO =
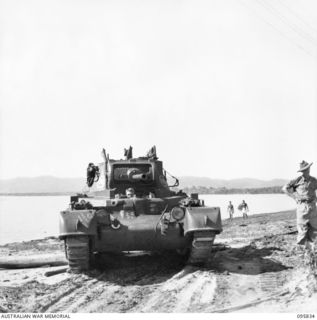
(306, 222)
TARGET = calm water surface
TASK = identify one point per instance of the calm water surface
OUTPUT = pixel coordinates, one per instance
(257, 203)
(32, 217)
(29, 217)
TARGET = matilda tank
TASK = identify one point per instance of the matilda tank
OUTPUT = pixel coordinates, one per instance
(129, 206)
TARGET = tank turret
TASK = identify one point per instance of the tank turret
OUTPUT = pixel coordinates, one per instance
(145, 174)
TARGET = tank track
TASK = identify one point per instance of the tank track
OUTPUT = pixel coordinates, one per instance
(78, 253)
(201, 247)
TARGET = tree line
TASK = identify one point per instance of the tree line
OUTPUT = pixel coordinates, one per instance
(223, 190)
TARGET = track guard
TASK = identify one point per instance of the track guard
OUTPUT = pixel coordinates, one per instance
(202, 219)
(77, 222)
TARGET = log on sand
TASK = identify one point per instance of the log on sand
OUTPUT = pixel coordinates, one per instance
(33, 261)
(54, 272)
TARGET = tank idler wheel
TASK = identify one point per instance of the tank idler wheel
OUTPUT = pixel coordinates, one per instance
(78, 253)
(201, 247)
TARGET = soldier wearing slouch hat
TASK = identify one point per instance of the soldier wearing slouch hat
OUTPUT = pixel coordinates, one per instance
(303, 191)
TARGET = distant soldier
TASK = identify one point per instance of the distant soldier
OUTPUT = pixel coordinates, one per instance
(244, 208)
(230, 210)
(303, 191)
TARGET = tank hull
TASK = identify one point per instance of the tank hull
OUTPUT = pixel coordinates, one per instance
(142, 233)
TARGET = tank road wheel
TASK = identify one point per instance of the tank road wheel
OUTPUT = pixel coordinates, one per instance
(78, 252)
(201, 247)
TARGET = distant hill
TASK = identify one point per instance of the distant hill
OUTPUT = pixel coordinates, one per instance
(42, 184)
(229, 184)
(49, 184)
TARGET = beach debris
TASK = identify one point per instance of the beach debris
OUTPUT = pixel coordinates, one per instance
(33, 261)
(54, 272)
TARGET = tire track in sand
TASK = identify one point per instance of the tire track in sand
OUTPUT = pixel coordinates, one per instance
(67, 300)
(100, 295)
(189, 290)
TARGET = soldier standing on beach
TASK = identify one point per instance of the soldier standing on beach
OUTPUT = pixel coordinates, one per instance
(303, 191)
(245, 209)
(230, 210)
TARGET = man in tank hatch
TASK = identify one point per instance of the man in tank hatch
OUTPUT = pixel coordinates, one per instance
(130, 193)
(92, 174)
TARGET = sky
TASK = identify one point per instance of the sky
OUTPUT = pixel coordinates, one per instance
(224, 89)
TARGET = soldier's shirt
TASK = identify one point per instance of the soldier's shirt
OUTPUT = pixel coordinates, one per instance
(304, 187)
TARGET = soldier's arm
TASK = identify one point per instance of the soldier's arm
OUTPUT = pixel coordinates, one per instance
(290, 190)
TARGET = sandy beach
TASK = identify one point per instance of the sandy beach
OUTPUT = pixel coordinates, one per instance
(255, 267)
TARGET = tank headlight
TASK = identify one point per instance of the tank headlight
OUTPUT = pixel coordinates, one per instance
(177, 213)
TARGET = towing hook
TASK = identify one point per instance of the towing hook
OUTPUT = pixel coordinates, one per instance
(115, 224)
